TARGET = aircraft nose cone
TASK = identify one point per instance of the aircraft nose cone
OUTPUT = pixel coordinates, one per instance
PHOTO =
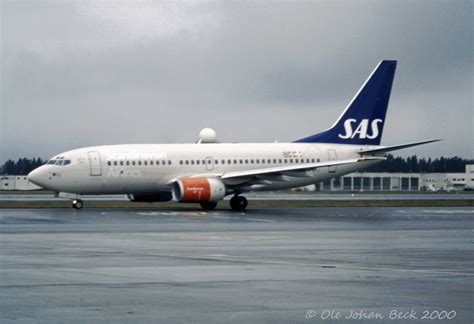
(37, 177)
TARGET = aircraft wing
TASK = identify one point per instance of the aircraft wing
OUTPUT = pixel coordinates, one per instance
(288, 170)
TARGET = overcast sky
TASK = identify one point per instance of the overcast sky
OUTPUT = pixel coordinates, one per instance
(79, 73)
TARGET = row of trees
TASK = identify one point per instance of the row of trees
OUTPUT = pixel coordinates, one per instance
(415, 165)
(391, 164)
(21, 167)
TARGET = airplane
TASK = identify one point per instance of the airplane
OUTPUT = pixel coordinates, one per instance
(207, 171)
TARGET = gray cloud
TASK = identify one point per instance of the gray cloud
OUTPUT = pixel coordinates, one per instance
(85, 73)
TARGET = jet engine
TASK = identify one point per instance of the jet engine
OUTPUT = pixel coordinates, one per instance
(150, 197)
(198, 190)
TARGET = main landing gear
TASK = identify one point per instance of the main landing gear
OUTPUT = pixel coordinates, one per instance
(238, 203)
(77, 203)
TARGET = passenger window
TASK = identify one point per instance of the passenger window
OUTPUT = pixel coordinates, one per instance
(192, 162)
(240, 161)
(229, 161)
(169, 162)
(235, 161)
(312, 160)
(187, 162)
(133, 162)
(291, 160)
(198, 162)
(318, 160)
(151, 162)
(180, 162)
(109, 163)
(246, 161)
(223, 161)
(127, 162)
(269, 161)
(121, 162)
(307, 160)
(257, 161)
(115, 162)
(139, 162)
(274, 161)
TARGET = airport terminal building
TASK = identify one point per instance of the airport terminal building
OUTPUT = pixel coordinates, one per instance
(385, 181)
(16, 182)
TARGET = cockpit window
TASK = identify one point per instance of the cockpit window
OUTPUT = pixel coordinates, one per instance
(59, 161)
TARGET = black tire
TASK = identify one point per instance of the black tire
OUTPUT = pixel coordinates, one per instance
(238, 203)
(77, 204)
(208, 205)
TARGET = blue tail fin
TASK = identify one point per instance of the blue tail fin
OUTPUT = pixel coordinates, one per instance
(363, 120)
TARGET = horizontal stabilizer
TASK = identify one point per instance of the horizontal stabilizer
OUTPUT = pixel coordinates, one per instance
(386, 149)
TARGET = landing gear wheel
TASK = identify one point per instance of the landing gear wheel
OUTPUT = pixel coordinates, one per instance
(77, 204)
(208, 205)
(238, 203)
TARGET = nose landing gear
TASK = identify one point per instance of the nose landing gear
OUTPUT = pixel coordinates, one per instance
(77, 203)
(238, 203)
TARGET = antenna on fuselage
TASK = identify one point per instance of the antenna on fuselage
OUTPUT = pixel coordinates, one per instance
(206, 136)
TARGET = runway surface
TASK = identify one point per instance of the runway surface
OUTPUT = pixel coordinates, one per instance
(24, 196)
(268, 265)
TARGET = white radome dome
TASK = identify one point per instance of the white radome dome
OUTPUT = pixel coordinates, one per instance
(207, 135)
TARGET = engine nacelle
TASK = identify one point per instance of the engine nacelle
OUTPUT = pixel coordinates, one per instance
(150, 197)
(198, 190)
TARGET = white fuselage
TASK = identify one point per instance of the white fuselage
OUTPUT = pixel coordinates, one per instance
(149, 168)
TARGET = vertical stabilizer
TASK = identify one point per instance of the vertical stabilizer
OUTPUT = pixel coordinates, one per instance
(363, 120)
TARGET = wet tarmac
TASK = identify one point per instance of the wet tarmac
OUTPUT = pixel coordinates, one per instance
(335, 265)
(24, 196)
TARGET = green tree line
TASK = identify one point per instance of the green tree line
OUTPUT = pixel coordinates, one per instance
(412, 164)
(22, 166)
(392, 164)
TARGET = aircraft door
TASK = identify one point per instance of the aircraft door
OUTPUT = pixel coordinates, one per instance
(209, 163)
(332, 157)
(95, 163)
